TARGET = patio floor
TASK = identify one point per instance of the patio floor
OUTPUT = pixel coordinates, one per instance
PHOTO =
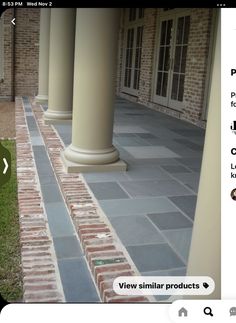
(151, 206)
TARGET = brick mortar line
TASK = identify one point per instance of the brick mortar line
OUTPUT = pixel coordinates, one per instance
(87, 218)
(34, 271)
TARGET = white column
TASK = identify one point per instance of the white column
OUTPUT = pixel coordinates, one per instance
(94, 89)
(61, 65)
(43, 55)
(204, 258)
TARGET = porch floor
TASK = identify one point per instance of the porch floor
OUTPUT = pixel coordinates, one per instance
(151, 206)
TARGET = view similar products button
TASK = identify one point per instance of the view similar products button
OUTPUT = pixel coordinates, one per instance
(164, 285)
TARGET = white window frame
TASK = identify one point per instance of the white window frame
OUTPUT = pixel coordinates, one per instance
(165, 15)
(1, 48)
(138, 22)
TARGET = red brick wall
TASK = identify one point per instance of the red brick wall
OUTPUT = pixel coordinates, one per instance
(6, 85)
(26, 52)
(147, 61)
(196, 66)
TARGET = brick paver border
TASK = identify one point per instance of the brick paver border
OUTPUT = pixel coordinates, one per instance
(41, 280)
(106, 256)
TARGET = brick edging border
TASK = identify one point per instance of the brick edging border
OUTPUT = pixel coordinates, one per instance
(41, 280)
(104, 252)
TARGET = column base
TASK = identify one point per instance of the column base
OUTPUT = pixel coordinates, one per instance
(72, 167)
(57, 117)
(41, 98)
(101, 160)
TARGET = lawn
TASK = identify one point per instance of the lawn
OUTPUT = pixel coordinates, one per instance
(10, 267)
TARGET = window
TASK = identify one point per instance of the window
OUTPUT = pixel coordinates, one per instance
(1, 49)
(133, 49)
(171, 60)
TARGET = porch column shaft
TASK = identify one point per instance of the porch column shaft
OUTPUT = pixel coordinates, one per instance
(61, 65)
(43, 55)
(94, 88)
(204, 258)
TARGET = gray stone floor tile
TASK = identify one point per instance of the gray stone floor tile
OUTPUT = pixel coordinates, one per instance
(40, 151)
(124, 135)
(189, 179)
(107, 191)
(51, 193)
(128, 129)
(187, 204)
(180, 241)
(136, 230)
(191, 162)
(31, 123)
(59, 220)
(169, 221)
(151, 152)
(66, 138)
(137, 206)
(45, 179)
(173, 169)
(152, 161)
(183, 151)
(44, 168)
(190, 132)
(28, 113)
(67, 247)
(130, 141)
(146, 135)
(77, 283)
(154, 257)
(141, 172)
(172, 272)
(189, 144)
(34, 133)
(37, 141)
(65, 128)
(27, 110)
(155, 188)
(105, 177)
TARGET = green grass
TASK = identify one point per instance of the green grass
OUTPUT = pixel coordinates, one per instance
(10, 266)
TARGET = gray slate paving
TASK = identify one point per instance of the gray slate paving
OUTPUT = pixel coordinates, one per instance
(152, 205)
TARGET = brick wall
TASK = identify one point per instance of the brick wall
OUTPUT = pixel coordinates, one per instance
(26, 52)
(6, 85)
(196, 66)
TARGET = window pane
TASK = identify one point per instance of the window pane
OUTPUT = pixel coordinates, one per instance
(168, 34)
(132, 14)
(167, 59)
(141, 13)
(186, 29)
(184, 57)
(180, 30)
(136, 79)
(174, 87)
(163, 32)
(177, 58)
(159, 82)
(181, 88)
(161, 58)
(164, 84)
